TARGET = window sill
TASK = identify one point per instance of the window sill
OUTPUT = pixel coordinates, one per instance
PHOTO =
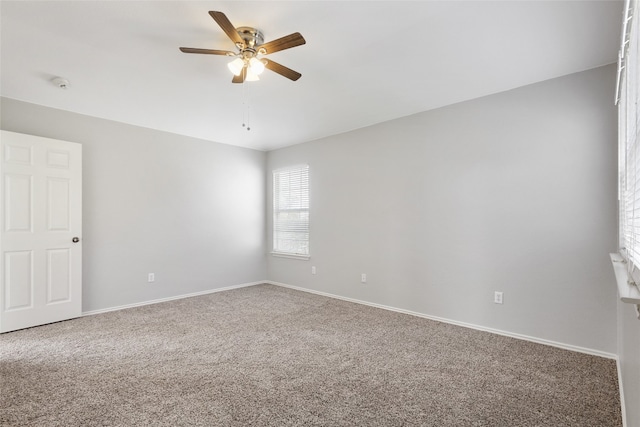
(628, 293)
(292, 256)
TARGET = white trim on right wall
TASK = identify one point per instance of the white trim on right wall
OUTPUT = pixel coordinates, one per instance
(457, 323)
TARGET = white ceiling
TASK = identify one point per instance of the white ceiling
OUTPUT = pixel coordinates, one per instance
(364, 62)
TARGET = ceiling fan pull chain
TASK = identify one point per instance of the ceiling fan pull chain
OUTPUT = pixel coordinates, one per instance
(248, 110)
(245, 105)
(244, 102)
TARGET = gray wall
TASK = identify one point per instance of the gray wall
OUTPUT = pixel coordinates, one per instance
(514, 192)
(190, 211)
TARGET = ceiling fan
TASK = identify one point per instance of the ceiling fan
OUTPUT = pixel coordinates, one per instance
(250, 43)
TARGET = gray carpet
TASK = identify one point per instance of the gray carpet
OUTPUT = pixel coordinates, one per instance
(270, 356)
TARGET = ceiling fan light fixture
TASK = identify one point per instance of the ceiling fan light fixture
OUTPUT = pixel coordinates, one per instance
(236, 66)
(251, 75)
(256, 66)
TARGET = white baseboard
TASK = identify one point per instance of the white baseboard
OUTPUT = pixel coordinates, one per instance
(457, 323)
(156, 301)
(621, 389)
(370, 304)
(398, 310)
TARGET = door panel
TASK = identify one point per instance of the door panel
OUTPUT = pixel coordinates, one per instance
(58, 204)
(58, 277)
(41, 196)
(58, 159)
(17, 202)
(18, 279)
(16, 154)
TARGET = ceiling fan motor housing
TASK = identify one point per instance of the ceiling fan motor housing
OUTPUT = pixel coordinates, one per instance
(252, 37)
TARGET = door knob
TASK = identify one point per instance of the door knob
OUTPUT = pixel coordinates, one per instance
(75, 239)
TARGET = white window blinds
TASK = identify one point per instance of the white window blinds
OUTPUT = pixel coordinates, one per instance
(629, 147)
(291, 211)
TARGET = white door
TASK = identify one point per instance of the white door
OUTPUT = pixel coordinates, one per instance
(40, 216)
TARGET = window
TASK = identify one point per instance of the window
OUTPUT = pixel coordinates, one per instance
(291, 211)
(628, 144)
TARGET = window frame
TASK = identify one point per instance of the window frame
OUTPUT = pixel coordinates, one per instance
(301, 206)
(628, 99)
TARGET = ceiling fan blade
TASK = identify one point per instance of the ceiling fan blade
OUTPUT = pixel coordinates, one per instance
(286, 42)
(226, 26)
(240, 78)
(206, 51)
(282, 70)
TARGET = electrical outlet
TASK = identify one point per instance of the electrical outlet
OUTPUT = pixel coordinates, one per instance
(151, 278)
(313, 270)
(497, 297)
(363, 278)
